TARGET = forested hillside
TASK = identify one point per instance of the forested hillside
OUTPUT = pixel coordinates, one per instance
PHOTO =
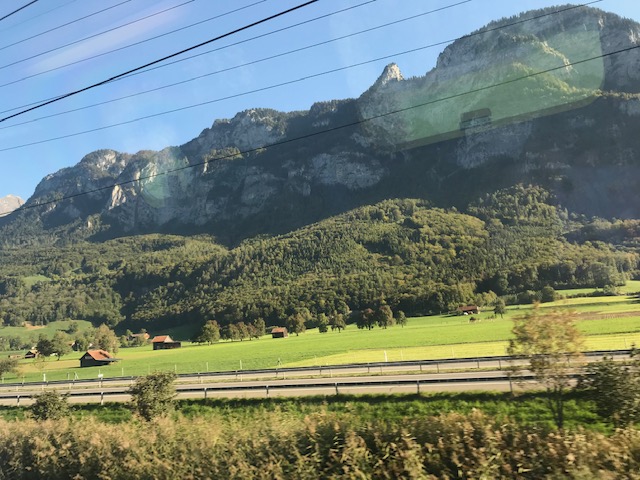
(403, 253)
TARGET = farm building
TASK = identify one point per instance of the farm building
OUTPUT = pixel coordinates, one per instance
(33, 353)
(279, 332)
(96, 358)
(164, 342)
(468, 310)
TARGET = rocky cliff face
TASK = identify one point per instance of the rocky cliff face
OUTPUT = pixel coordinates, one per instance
(9, 204)
(514, 102)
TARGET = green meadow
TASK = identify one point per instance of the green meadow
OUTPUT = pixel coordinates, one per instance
(607, 322)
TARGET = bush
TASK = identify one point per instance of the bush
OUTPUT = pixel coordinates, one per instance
(615, 389)
(50, 406)
(153, 395)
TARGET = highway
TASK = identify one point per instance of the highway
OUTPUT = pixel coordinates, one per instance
(481, 373)
(375, 384)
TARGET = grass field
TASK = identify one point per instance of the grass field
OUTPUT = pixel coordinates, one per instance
(608, 323)
(48, 330)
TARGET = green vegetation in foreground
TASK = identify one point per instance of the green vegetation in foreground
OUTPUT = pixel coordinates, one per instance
(435, 436)
(433, 337)
(523, 409)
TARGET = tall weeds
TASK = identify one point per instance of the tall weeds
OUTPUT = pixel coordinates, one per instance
(321, 445)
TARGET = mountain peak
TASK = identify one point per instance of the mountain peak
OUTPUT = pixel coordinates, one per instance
(390, 73)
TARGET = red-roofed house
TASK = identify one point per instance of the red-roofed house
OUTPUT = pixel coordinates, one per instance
(164, 342)
(96, 358)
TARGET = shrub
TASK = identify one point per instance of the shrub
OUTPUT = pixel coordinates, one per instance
(153, 395)
(615, 389)
(50, 406)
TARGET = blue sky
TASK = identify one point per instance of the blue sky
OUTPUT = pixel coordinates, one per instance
(54, 63)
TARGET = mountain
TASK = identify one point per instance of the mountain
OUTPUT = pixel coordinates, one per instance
(512, 103)
(508, 168)
(10, 203)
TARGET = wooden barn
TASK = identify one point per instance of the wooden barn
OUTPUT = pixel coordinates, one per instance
(279, 332)
(468, 310)
(96, 358)
(164, 342)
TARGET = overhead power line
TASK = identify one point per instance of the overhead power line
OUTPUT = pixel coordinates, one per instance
(328, 130)
(187, 58)
(64, 25)
(84, 39)
(17, 10)
(219, 37)
(397, 54)
(37, 16)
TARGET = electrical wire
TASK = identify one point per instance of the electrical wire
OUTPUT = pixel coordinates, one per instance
(397, 54)
(187, 58)
(60, 47)
(154, 62)
(64, 25)
(254, 62)
(17, 10)
(15, 25)
(328, 130)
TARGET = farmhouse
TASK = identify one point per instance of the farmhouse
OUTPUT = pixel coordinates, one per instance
(33, 353)
(164, 342)
(279, 332)
(468, 310)
(96, 358)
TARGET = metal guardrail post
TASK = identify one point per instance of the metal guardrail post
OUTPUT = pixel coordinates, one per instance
(101, 398)
(337, 393)
(418, 386)
(267, 386)
(205, 393)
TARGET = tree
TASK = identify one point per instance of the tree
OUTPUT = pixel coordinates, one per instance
(83, 340)
(243, 330)
(152, 395)
(384, 316)
(8, 365)
(260, 327)
(295, 324)
(552, 344)
(45, 346)
(548, 294)
(500, 308)
(337, 322)
(365, 319)
(61, 343)
(401, 318)
(106, 339)
(323, 323)
(615, 389)
(50, 406)
(209, 333)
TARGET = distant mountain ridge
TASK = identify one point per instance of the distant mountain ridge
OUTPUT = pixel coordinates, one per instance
(572, 130)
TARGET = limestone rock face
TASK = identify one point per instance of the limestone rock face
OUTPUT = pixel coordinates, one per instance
(10, 203)
(514, 102)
